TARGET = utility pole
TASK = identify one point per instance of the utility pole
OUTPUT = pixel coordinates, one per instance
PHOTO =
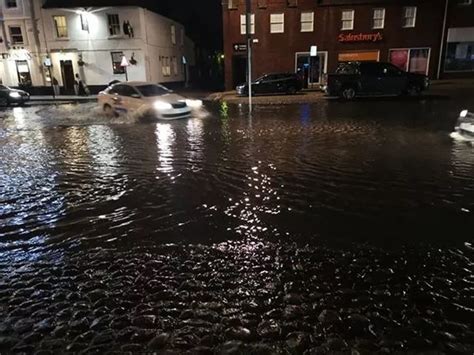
(248, 28)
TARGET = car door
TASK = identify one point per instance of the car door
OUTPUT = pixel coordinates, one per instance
(371, 78)
(395, 80)
(132, 98)
(118, 99)
(268, 84)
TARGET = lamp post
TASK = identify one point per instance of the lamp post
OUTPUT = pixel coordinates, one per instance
(248, 28)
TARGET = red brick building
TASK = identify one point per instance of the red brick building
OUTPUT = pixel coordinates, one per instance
(408, 33)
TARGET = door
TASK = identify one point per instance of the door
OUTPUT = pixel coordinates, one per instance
(126, 99)
(67, 73)
(310, 69)
(239, 70)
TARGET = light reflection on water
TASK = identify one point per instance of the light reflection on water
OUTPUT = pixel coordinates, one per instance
(299, 172)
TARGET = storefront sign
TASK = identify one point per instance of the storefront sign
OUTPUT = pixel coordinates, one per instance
(240, 47)
(313, 51)
(360, 37)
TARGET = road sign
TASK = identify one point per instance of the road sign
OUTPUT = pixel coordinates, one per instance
(47, 62)
(124, 62)
(314, 51)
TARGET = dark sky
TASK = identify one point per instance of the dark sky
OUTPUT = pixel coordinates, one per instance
(202, 18)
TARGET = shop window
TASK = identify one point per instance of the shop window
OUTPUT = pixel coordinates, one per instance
(116, 63)
(173, 34)
(243, 24)
(277, 23)
(60, 25)
(114, 24)
(347, 18)
(23, 71)
(16, 36)
(459, 57)
(307, 21)
(378, 20)
(409, 16)
(413, 60)
(11, 4)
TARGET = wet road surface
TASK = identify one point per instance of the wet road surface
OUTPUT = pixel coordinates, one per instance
(353, 219)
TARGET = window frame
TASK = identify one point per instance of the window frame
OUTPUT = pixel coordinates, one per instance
(243, 24)
(381, 27)
(7, 2)
(343, 20)
(409, 49)
(57, 28)
(277, 23)
(405, 8)
(115, 69)
(11, 35)
(302, 22)
(114, 28)
(173, 34)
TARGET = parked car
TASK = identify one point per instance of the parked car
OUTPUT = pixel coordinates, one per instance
(10, 96)
(148, 99)
(373, 78)
(286, 83)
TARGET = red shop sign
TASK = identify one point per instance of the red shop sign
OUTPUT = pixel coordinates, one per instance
(360, 37)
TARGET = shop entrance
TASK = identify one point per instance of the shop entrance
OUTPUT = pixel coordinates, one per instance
(311, 69)
(67, 73)
(239, 70)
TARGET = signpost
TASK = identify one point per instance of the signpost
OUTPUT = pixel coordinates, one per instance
(248, 28)
(124, 64)
(313, 52)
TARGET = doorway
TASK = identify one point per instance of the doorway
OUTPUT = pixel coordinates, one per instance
(239, 70)
(67, 73)
(311, 69)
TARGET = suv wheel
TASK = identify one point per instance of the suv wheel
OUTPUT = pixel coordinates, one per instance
(348, 93)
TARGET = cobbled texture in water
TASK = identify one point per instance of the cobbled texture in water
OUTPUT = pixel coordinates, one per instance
(239, 298)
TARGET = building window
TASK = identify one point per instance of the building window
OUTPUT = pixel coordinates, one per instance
(16, 35)
(181, 37)
(464, 2)
(243, 24)
(61, 26)
(173, 34)
(307, 21)
(409, 16)
(175, 65)
(413, 60)
(292, 3)
(378, 19)
(117, 63)
(277, 23)
(84, 22)
(11, 4)
(459, 57)
(165, 66)
(232, 4)
(23, 71)
(114, 24)
(347, 19)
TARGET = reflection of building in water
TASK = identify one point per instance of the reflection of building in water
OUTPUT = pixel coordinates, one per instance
(40, 42)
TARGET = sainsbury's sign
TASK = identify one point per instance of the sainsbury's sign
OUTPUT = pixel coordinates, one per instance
(360, 37)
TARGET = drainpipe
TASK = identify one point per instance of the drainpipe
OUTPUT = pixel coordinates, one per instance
(443, 39)
(34, 26)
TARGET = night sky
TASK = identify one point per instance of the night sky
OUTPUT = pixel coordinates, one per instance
(203, 19)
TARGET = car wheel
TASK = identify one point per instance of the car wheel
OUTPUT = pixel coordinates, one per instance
(348, 93)
(291, 90)
(414, 90)
(109, 111)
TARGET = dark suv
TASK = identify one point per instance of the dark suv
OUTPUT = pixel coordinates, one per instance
(286, 83)
(374, 78)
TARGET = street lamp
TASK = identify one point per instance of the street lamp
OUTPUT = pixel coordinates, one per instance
(248, 27)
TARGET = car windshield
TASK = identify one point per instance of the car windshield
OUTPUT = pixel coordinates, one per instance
(152, 90)
(346, 68)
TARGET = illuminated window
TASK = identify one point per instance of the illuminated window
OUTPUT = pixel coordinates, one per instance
(409, 16)
(277, 23)
(114, 24)
(16, 35)
(378, 18)
(232, 4)
(347, 18)
(243, 24)
(307, 21)
(61, 26)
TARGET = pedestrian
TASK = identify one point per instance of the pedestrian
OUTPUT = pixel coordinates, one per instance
(83, 90)
(56, 87)
(76, 85)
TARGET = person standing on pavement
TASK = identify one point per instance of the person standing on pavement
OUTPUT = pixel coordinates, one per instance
(82, 87)
(56, 87)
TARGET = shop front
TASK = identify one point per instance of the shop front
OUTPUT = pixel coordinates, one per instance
(311, 68)
(460, 50)
(413, 60)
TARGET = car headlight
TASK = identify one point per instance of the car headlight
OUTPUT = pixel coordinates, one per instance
(15, 94)
(161, 105)
(194, 103)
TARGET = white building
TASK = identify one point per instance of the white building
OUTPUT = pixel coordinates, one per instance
(38, 44)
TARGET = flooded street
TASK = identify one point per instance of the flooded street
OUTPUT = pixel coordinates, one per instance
(314, 227)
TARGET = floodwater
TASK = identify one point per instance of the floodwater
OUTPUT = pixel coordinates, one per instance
(380, 171)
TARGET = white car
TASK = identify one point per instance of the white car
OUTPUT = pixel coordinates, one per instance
(146, 99)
